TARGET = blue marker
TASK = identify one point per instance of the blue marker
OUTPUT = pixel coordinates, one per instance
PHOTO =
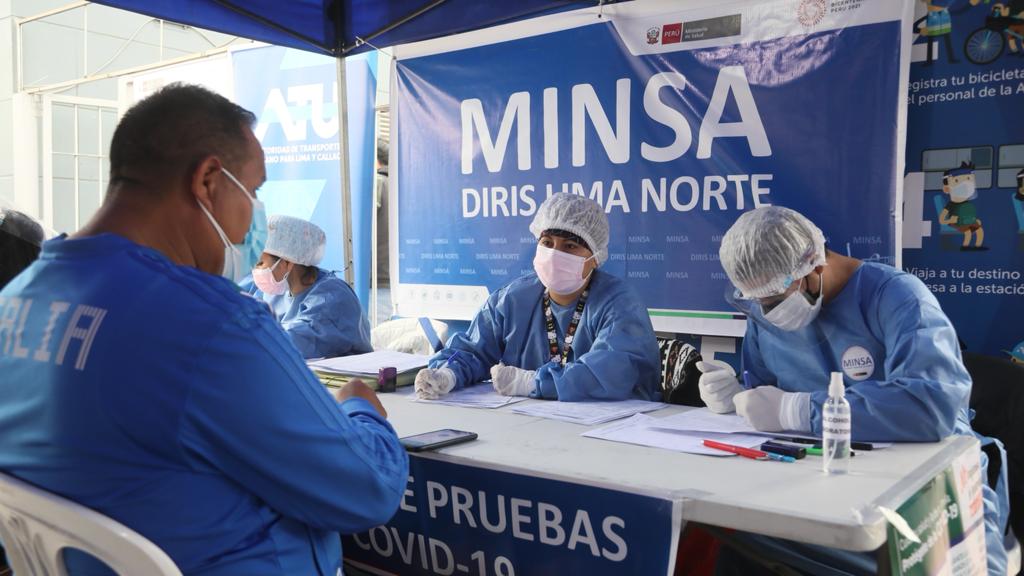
(746, 380)
(780, 457)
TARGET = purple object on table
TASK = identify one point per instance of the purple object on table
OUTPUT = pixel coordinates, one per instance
(386, 378)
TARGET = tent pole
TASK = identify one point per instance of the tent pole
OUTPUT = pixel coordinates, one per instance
(346, 184)
(360, 41)
(273, 25)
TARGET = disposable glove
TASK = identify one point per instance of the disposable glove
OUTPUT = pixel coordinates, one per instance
(718, 385)
(512, 381)
(432, 383)
(769, 409)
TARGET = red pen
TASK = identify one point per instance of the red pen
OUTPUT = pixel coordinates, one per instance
(745, 452)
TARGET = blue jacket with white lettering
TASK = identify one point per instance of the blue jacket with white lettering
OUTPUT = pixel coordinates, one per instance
(164, 398)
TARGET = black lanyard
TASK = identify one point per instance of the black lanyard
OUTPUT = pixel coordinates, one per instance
(570, 332)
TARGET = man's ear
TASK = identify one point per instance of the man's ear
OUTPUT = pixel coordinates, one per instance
(203, 184)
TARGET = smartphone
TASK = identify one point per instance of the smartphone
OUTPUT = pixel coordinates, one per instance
(436, 439)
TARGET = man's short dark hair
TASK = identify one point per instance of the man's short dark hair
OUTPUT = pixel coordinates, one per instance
(172, 130)
(20, 240)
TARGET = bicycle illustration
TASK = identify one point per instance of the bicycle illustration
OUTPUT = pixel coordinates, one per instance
(986, 44)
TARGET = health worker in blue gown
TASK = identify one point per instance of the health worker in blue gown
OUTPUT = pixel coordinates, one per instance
(568, 332)
(139, 381)
(316, 308)
(811, 312)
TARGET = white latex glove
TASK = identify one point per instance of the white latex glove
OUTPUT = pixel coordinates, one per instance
(769, 409)
(512, 381)
(432, 383)
(718, 385)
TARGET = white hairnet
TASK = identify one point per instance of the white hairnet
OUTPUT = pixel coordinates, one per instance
(295, 240)
(768, 249)
(577, 214)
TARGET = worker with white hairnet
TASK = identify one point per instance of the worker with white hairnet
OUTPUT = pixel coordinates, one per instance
(316, 308)
(812, 311)
(569, 331)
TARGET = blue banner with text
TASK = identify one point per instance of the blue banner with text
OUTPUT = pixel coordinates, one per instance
(465, 520)
(676, 123)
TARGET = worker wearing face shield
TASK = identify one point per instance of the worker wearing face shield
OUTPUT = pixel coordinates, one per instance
(810, 312)
(568, 331)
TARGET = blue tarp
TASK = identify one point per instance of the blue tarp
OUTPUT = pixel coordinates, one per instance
(335, 27)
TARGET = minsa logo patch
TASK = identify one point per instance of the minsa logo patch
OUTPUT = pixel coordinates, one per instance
(858, 364)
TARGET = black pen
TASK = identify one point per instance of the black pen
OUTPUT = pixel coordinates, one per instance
(817, 442)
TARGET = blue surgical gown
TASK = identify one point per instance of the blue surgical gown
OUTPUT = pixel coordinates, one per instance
(324, 321)
(901, 364)
(614, 354)
(166, 399)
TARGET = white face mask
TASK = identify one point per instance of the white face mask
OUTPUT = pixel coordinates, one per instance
(560, 272)
(240, 258)
(795, 312)
(265, 281)
(962, 191)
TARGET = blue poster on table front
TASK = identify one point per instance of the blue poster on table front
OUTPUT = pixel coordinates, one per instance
(676, 121)
(475, 521)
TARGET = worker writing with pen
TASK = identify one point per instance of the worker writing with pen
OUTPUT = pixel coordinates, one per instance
(569, 331)
(810, 312)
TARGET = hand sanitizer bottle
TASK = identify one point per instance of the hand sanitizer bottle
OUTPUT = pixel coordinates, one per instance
(835, 428)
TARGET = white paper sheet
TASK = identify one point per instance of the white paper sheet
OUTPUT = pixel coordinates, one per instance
(588, 413)
(704, 420)
(480, 395)
(638, 430)
(368, 364)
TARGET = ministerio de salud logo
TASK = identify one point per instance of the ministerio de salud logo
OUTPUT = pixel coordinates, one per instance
(810, 12)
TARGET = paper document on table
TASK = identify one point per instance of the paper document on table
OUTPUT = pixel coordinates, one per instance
(588, 413)
(705, 421)
(481, 395)
(368, 364)
(638, 430)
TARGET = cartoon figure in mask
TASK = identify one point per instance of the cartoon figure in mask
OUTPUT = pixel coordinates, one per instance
(812, 311)
(960, 212)
(316, 308)
(568, 332)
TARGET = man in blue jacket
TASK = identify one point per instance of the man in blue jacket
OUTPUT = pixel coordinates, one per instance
(141, 383)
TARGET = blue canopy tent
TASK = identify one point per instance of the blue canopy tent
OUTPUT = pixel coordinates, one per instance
(342, 27)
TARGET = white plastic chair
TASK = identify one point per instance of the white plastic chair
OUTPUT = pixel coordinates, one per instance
(36, 525)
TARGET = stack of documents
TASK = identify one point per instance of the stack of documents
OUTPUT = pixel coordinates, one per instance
(481, 395)
(702, 420)
(588, 413)
(686, 432)
(368, 364)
